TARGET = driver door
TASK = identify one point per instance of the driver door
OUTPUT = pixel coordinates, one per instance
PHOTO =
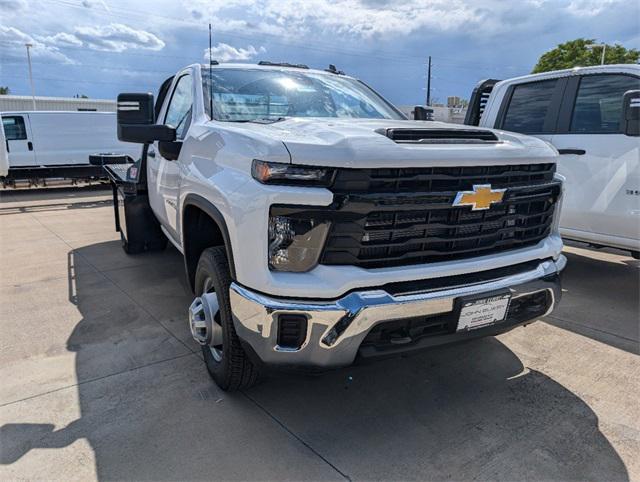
(598, 160)
(164, 175)
(18, 140)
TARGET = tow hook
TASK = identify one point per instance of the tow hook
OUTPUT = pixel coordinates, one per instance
(202, 313)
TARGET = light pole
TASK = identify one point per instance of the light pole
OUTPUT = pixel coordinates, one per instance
(33, 92)
(429, 83)
(604, 49)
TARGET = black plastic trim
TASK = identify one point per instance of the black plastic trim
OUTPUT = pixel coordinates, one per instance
(80, 171)
(216, 215)
(475, 109)
(566, 107)
(577, 152)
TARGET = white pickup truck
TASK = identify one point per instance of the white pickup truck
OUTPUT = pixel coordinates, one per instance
(319, 225)
(592, 116)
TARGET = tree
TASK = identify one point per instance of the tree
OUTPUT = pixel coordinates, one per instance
(4, 90)
(575, 53)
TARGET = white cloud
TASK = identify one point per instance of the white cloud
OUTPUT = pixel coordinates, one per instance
(374, 18)
(63, 39)
(91, 4)
(225, 52)
(112, 37)
(13, 40)
(8, 7)
(591, 8)
(115, 37)
(361, 18)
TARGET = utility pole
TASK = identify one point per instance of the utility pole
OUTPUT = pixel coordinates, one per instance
(604, 49)
(33, 92)
(429, 83)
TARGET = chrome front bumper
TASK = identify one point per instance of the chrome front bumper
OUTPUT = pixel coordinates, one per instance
(336, 329)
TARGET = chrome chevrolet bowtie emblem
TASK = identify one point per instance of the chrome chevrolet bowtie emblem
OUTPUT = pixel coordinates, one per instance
(482, 197)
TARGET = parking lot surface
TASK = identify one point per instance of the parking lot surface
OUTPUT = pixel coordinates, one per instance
(99, 377)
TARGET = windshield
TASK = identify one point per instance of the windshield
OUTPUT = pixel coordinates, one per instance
(243, 95)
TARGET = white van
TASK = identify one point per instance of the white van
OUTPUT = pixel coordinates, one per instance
(4, 155)
(590, 114)
(57, 144)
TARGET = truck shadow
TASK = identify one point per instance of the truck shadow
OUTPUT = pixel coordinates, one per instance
(601, 300)
(461, 412)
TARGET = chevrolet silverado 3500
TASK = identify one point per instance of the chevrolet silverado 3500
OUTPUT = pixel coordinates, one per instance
(319, 225)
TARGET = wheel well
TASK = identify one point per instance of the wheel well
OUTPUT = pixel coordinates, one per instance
(199, 232)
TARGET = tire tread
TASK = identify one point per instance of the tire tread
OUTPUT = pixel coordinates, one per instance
(240, 373)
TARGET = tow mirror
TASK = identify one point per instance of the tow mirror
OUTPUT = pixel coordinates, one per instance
(630, 122)
(136, 120)
(422, 113)
(170, 150)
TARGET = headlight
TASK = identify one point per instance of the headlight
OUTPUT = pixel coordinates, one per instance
(295, 244)
(291, 174)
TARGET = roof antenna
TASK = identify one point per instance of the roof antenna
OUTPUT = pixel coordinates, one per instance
(210, 77)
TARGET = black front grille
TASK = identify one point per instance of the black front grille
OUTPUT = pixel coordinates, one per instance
(391, 217)
(439, 179)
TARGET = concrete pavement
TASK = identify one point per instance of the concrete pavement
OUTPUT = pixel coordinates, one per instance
(99, 378)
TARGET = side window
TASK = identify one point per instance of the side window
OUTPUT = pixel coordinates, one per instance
(528, 107)
(598, 106)
(14, 128)
(180, 107)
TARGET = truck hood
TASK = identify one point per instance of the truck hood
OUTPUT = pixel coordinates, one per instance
(361, 143)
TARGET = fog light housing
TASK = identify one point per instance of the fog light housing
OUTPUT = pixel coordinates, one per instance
(295, 244)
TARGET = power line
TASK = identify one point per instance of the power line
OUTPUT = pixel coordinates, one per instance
(78, 81)
(96, 66)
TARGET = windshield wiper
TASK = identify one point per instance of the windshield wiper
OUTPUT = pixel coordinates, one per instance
(268, 120)
(259, 120)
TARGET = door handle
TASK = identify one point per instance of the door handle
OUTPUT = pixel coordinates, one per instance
(577, 152)
(30, 145)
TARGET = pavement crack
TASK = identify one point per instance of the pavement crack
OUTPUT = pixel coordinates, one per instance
(294, 435)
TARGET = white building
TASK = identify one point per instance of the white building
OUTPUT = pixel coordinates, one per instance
(25, 102)
(454, 115)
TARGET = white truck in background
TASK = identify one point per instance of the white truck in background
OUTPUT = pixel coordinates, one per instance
(592, 116)
(318, 225)
(41, 145)
(4, 155)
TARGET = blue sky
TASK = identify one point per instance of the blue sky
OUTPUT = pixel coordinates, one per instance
(102, 47)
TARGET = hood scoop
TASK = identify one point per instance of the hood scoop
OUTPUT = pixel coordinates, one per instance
(439, 136)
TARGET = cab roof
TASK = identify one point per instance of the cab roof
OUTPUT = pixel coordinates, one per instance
(595, 69)
(272, 66)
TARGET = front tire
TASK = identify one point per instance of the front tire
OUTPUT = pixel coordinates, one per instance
(227, 364)
(130, 248)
